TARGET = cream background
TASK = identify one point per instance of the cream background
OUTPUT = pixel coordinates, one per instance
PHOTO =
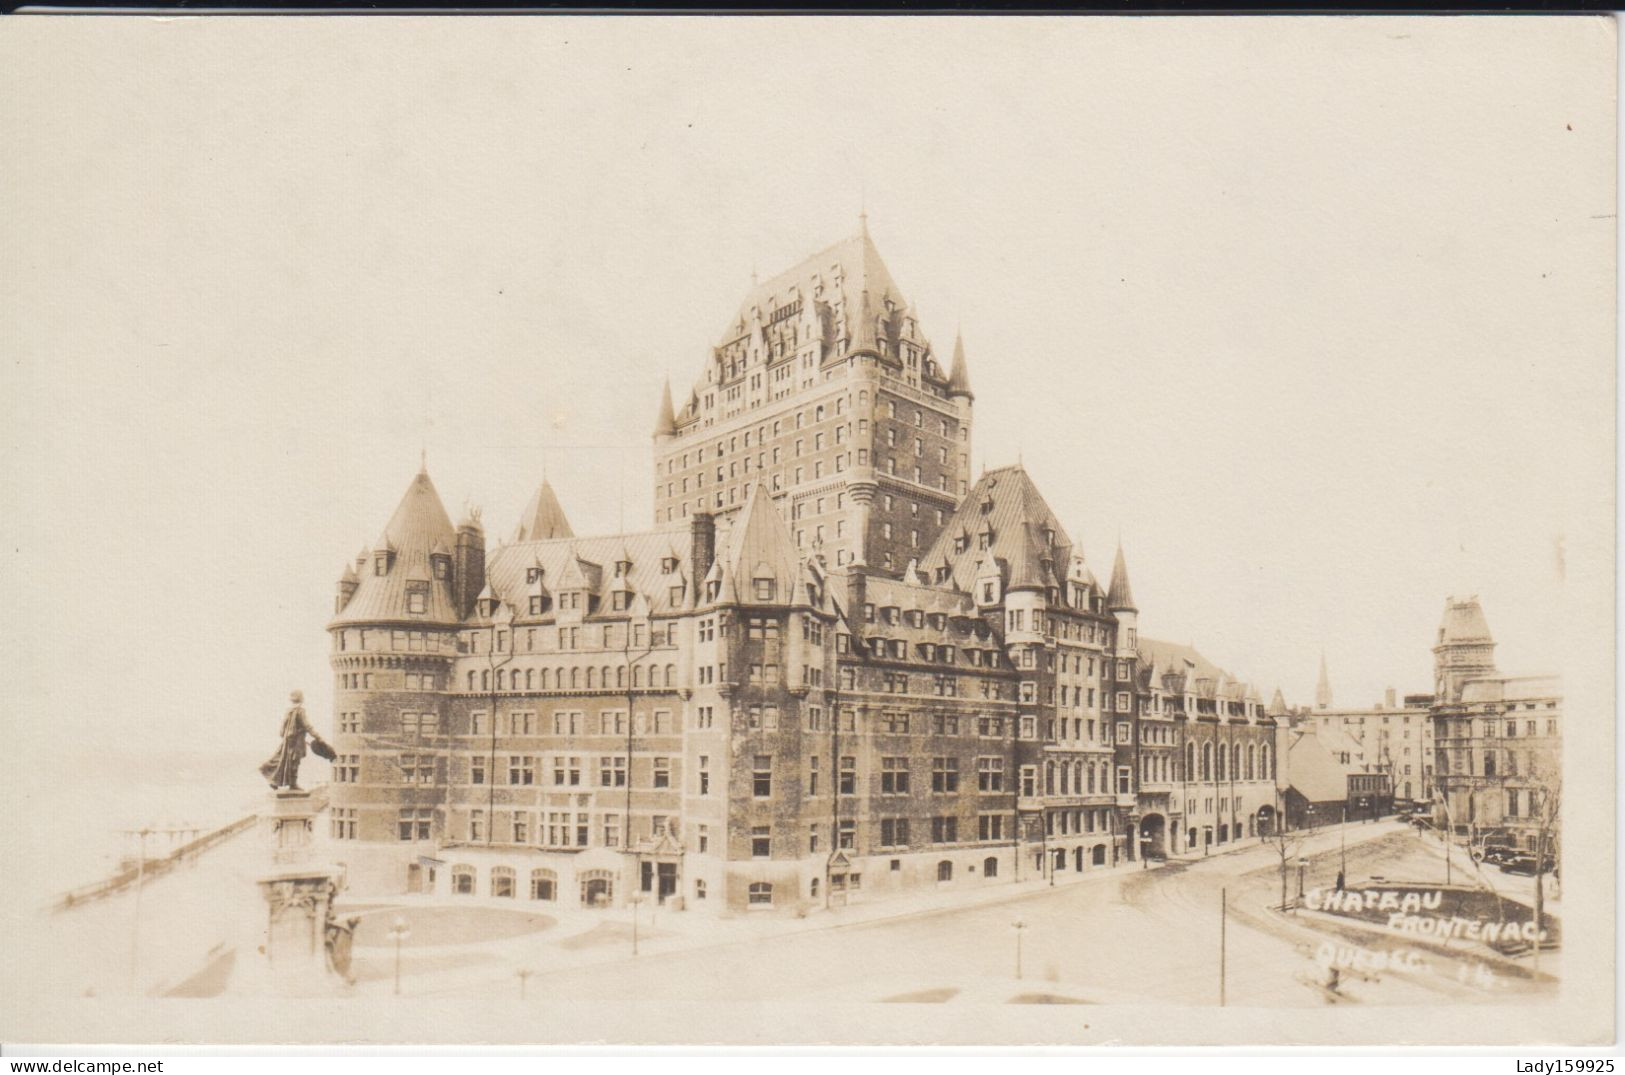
(1317, 313)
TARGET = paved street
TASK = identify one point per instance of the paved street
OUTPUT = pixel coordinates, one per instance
(1122, 937)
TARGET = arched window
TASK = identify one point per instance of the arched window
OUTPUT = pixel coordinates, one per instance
(502, 881)
(620, 675)
(1049, 778)
(1066, 779)
(671, 675)
(990, 867)
(945, 870)
(603, 677)
(500, 676)
(546, 675)
(470, 679)
(637, 675)
(1223, 756)
(1207, 761)
(761, 894)
(544, 885)
(575, 678)
(592, 677)
(485, 679)
(462, 880)
(1091, 770)
(1235, 762)
(530, 681)
(1252, 759)
(597, 888)
(1190, 761)
(1264, 768)
(812, 888)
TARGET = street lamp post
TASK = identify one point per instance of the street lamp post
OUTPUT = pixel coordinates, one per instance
(1302, 862)
(398, 932)
(634, 900)
(1019, 926)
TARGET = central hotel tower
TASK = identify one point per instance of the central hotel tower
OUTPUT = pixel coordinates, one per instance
(836, 667)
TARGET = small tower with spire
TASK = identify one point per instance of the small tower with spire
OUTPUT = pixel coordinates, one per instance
(1323, 686)
(1120, 602)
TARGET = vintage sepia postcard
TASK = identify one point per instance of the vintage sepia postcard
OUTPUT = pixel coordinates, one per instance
(809, 531)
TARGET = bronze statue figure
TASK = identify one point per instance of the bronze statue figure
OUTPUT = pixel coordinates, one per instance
(282, 770)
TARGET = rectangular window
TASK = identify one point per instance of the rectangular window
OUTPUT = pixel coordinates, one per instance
(989, 774)
(662, 772)
(944, 830)
(894, 776)
(894, 832)
(762, 776)
(761, 842)
(990, 826)
(849, 775)
(612, 772)
(944, 775)
(476, 769)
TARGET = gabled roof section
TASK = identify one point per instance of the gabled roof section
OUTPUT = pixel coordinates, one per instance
(1006, 502)
(508, 565)
(543, 518)
(418, 528)
(1313, 770)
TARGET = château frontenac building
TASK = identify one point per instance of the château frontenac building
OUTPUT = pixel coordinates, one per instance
(837, 666)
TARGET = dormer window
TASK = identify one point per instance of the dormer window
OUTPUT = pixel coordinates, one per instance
(712, 589)
(623, 568)
(537, 607)
(668, 565)
(417, 600)
(380, 564)
(961, 543)
(763, 588)
(987, 506)
(984, 540)
(442, 566)
(533, 574)
(620, 600)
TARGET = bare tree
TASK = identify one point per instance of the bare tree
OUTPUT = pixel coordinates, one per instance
(1287, 845)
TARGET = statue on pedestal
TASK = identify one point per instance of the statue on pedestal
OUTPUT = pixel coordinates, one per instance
(282, 769)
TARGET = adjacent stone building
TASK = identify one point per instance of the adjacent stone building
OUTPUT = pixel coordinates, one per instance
(835, 666)
(1498, 738)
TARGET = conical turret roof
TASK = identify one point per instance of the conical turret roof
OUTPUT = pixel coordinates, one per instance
(666, 420)
(959, 374)
(1120, 596)
(418, 529)
(543, 518)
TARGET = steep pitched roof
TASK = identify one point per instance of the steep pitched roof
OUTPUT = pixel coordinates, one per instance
(418, 528)
(666, 420)
(1006, 502)
(1120, 596)
(760, 545)
(959, 374)
(574, 561)
(1313, 770)
(543, 518)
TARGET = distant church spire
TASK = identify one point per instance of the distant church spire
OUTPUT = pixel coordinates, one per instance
(1323, 688)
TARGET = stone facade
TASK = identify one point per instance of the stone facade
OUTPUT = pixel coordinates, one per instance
(1498, 738)
(819, 677)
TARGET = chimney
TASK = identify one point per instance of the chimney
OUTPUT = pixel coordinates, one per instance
(347, 588)
(1388, 698)
(468, 572)
(702, 547)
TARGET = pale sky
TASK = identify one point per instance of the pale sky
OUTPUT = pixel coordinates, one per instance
(1316, 314)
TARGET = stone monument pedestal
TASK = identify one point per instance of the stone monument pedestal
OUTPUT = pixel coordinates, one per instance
(304, 950)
